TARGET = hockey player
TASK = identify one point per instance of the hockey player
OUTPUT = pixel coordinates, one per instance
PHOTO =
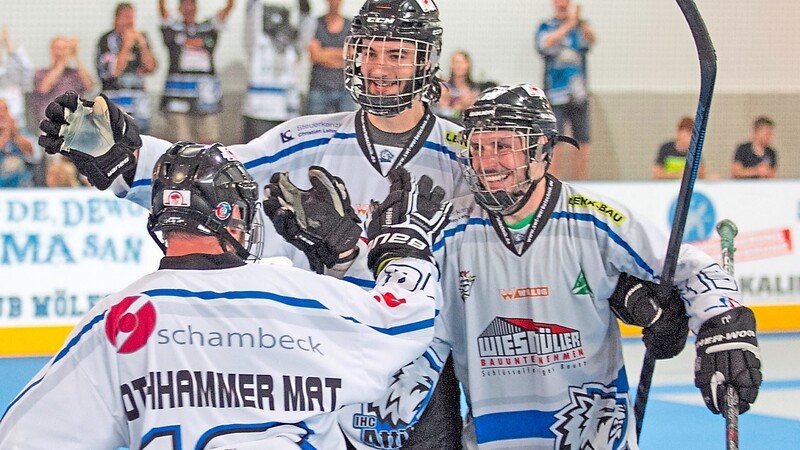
(528, 265)
(392, 57)
(210, 352)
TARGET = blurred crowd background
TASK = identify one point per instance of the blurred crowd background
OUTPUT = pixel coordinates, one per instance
(643, 71)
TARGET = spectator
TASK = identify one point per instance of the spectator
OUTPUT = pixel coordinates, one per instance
(124, 57)
(326, 93)
(16, 73)
(563, 42)
(459, 90)
(192, 96)
(62, 173)
(671, 157)
(274, 46)
(66, 73)
(756, 159)
(18, 154)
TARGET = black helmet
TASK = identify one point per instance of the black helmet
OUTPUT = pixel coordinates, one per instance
(195, 189)
(525, 110)
(413, 21)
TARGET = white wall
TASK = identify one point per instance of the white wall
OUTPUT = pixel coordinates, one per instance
(643, 45)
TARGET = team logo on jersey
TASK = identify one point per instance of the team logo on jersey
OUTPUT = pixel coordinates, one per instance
(386, 156)
(286, 136)
(178, 197)
(385, 425)
(405, 276)
(509, 342)
(596, 417)
(581, 286)
(223, 210)
(526, 292)
(465, 283)
(580, 201)
(130, 323)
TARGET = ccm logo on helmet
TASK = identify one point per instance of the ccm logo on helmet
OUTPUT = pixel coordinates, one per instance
(398, 238)
(380, 19)
(130, 323)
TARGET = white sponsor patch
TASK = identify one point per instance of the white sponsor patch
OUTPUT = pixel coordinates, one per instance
(177, 198)
(533, 90)
(427, 5)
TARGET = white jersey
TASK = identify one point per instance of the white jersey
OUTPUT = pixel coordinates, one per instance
(195, 357)
(331, 141)
(535, 344)
(273, 91)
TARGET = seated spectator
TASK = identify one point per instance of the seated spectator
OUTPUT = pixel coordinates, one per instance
(16, 72)
(756, 159)
(459, 91)
(62, 173)
(671, 157)
(66, 73)
(18, 154)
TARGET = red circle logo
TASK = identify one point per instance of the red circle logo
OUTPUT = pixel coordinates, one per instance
(130, 323)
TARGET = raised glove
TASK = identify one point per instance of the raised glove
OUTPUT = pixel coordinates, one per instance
(666, 327)
(407, 222)
(319, 221)
(97, 136)
(728, 355)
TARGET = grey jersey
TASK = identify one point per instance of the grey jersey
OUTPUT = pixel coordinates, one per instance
(535, 343)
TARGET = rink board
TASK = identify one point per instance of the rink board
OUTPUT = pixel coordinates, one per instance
(61, 250)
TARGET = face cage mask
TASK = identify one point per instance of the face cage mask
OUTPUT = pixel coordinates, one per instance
(419, 83)
(495, 153)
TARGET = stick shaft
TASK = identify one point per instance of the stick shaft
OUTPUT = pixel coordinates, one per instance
(708, 73)
(727, 231)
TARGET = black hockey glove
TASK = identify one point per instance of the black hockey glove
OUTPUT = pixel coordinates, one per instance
(728, 355)
(407, 222)
(318, 221)
(666, 327)
(95, 135)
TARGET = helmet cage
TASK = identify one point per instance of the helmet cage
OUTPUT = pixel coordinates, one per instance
(404, 22)
(501, 144)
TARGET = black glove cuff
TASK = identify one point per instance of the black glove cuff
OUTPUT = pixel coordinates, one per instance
(735, 325)
(102, 170)
(396, 242)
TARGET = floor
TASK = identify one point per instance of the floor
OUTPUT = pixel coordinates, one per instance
(676, 417)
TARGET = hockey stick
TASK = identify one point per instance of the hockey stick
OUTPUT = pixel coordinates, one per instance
(708, 74)
(727, 231)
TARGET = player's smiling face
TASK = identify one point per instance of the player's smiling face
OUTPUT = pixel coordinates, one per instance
(388, 66)
(500, 159)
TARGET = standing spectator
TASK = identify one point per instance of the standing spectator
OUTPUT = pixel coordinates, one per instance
(124, 57)
(192, 96)
(563, 42)
(756, 159)
(274, 46)
(18, 154)
(459, 90)
(66, 73)
(671, 158)
(15, 77)
(326, 93)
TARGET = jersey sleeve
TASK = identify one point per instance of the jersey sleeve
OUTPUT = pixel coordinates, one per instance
(640, 250)
(140, 191)
(74, 389)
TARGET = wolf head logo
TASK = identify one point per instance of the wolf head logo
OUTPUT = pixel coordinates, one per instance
(595, 418)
